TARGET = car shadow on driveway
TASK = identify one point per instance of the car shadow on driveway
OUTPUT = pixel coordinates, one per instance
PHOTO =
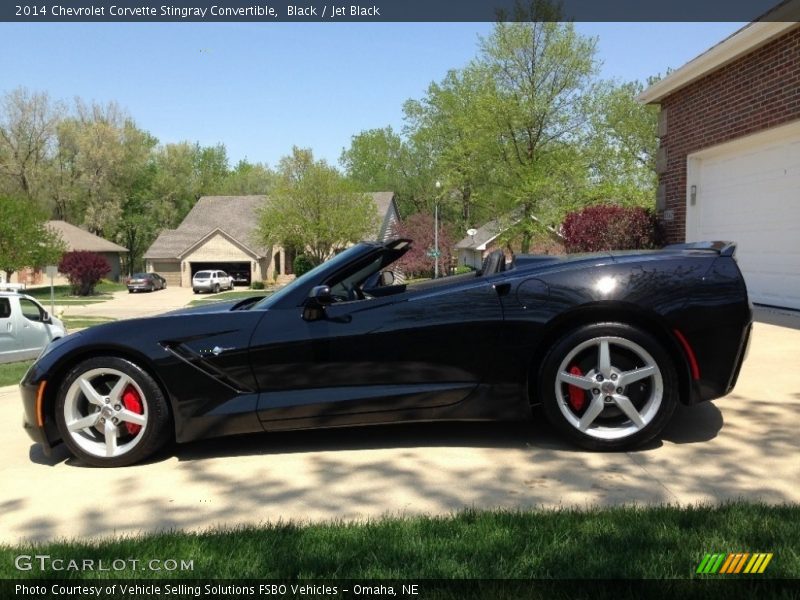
(688, 425)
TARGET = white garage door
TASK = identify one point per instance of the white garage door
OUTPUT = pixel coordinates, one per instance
(748, 191)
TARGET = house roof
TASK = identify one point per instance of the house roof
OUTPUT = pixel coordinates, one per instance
(769, 26)
(235, 216)
(485, 234)
(384, 202)
(79, 239)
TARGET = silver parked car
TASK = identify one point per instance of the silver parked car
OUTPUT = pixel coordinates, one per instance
(211, 281)
(25, 327)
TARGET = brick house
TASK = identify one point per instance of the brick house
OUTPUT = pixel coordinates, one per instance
(729, 155)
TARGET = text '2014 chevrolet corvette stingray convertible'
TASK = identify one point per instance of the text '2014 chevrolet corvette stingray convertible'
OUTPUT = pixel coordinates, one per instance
(606, 343)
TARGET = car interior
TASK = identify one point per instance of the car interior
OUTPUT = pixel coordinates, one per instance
(374, 280)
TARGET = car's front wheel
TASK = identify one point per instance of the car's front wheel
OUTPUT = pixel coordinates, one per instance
(608, 386)
(111, 413)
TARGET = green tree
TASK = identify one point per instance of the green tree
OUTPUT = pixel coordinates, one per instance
(382, 160)
(544, 84)
(314, 208)
(248, 178)
(25, 240)
(28, 122)
(623, 145)
(453, 123)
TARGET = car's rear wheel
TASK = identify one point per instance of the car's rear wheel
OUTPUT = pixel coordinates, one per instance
(216, 288)
(608, 386)
(111, 413)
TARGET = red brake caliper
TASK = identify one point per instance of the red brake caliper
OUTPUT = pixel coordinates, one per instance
(577, 396)
(133, 403)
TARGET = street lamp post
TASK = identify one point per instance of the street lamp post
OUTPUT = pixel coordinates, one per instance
(436, 231)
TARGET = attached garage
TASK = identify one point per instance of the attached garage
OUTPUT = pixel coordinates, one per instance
(748, 191)
(729, 152)
(169, 270)
(231, 268)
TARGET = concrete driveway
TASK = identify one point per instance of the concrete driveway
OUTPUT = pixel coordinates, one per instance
(139, 304)
(743, 446)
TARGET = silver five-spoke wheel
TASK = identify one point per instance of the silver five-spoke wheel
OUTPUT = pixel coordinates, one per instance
(608, 386)
(608, 405)
(105, 413)
(111, 412)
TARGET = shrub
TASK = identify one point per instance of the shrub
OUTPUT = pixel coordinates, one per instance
(610, 227)
(463, 269)
(302, 264)
(416, 262)
(83, 270)
(257, 285)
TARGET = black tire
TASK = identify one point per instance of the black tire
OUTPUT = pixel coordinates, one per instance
(611, 420)
(156, 432)
(216, 288)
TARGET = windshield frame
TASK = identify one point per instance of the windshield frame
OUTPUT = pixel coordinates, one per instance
(316, 276)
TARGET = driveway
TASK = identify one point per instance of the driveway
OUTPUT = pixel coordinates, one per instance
(139, 304)
(743, 446)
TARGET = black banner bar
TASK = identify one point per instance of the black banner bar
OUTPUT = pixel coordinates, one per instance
(423, 589)
(333, 11)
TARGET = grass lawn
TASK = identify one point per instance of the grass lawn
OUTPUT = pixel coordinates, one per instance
(11, 373)
(73, 323)
(64, 297)
(224, 296)
(621, 542)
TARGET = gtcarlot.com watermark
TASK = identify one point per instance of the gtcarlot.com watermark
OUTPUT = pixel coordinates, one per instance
(47, 563)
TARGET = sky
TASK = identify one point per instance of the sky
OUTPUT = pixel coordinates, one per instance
(262, 88)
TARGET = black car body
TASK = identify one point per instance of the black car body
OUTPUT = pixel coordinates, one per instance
(343, 345)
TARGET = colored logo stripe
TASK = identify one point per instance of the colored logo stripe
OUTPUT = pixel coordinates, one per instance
(734, 563)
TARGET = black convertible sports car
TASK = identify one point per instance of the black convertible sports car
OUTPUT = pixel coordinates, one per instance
(606, 343)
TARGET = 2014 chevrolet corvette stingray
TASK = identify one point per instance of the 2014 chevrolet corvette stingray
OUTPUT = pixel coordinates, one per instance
(607, 344)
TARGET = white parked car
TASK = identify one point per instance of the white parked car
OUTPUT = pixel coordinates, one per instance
(211, 281)
(25, 327)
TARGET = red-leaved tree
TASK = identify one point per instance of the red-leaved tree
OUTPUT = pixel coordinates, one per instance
(416, 262)
(83, 270)
(610, 227)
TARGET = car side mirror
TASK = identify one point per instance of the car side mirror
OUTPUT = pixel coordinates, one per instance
(46, 318)
(387, 278)
(318, 298)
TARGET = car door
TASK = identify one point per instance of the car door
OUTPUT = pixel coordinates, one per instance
(378, 359)
(32, 333)
(9, 344)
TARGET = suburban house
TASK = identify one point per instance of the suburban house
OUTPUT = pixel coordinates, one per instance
(474, 248)
(77, 239)
(220, 233)
(729, 156)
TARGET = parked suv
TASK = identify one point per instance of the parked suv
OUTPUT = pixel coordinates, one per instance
(25, 327)
(211, 281)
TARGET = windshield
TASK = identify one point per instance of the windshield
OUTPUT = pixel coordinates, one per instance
(338, 260)
(139, 276)
(202, 275)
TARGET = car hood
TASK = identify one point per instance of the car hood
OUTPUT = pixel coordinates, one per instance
(207, 307)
